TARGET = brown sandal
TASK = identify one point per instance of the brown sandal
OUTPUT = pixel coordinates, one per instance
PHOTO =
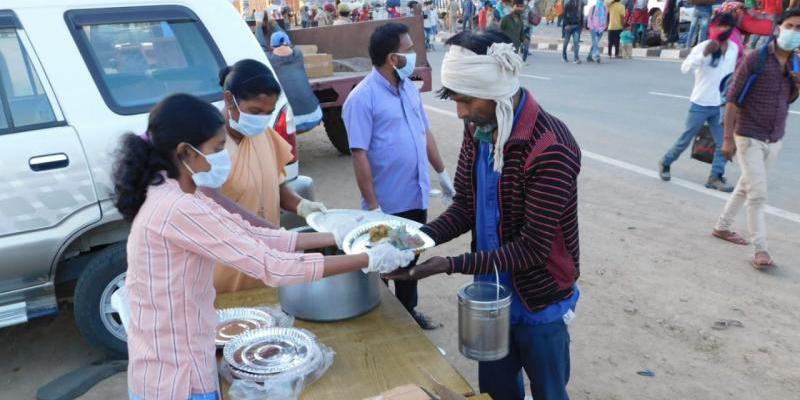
(729, 236)
(762, 263)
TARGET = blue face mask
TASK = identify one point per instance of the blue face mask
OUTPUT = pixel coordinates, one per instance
(408, 69)
(220, 169)
(249, 124)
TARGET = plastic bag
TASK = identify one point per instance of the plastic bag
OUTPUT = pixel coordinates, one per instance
(282, 320)
(283, 386)
(119, 303)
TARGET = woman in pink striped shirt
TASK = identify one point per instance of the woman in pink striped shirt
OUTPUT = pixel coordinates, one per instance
(178, 235)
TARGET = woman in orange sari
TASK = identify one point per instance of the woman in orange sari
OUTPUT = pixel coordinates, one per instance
(258, 154)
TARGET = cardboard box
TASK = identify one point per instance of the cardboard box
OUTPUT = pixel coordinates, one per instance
(318, 65)
(406, 392)
(307, 49)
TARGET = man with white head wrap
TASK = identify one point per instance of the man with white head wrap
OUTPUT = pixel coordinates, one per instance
(516, 190)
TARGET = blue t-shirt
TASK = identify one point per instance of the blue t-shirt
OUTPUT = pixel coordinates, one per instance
(487, 223)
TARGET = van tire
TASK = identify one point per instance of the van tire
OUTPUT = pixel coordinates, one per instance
(101, 270)
(334, 127)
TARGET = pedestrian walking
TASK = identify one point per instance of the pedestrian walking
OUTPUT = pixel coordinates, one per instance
(711, 61)
(453, 9)
(517, 192)
(771, 9)
(467, 14)
(486, 16)
(391, 142)
(559, 10)
(513, 25)
(763, 86)
(700, 19)
(626, 40)
(596, 22)
(571, 29)
(640, 20)
(616, 22)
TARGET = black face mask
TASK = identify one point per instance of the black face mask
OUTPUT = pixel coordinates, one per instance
(725, 36)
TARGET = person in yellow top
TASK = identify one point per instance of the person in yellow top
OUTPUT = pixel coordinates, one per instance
(616, 22)
(258, 154)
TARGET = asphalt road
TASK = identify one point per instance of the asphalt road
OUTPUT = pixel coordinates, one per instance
(653, 281)
(633, 111)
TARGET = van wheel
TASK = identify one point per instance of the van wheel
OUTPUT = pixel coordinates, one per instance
(334, 127)
(99, 324)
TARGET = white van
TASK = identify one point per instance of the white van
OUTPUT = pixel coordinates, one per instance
(74, 76)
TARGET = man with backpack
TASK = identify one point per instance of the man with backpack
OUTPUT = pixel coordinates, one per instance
(571, 28)
(763, 86)
(711, 61)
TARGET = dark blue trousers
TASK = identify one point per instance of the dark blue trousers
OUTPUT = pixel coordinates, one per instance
(543, 352)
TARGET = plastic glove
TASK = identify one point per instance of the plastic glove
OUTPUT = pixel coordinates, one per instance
(386, 258)
(306, 207)
(448, 190)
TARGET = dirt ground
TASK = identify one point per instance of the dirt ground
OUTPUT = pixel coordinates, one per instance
(653, 283)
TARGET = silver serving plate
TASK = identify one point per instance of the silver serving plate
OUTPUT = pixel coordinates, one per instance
(325, 222)
(270, 351)
(357, 241)
(232, 322)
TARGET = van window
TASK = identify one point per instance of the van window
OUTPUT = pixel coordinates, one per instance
(140, 55)
(24, 102)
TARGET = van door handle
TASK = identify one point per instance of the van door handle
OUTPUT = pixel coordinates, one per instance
(48, 162)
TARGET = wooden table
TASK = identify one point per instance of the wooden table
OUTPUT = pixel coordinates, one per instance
(375, 352)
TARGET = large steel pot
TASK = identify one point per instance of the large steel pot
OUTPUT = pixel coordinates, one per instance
(333, 298)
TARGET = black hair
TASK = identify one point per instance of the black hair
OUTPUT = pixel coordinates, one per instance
(248, 79)
(140, 161)
(385, 40)
(789, 13)
(476, 42)
(519, 2)
(726, 19)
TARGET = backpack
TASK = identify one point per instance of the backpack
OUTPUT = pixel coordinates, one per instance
(751, 80)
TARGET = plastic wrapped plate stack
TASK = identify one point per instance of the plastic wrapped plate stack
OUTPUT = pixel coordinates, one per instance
(232, 322)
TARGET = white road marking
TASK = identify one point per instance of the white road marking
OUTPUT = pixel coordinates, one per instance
(677, 96)
(543, 78)
(775, 211)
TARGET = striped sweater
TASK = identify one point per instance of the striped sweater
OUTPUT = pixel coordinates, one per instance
(538, 199)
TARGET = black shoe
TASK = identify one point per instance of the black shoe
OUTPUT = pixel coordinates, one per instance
(597, 60)
(589, 59)
(565, 59)
(663, 171)
(425, 322)
(719, 183)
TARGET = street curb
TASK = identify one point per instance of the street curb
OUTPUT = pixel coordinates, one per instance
(556, 46)
(654, 52)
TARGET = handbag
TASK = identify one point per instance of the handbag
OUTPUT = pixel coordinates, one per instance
(704, 146)
(756, 23)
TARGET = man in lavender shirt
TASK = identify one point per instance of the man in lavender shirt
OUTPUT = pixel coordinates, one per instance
(391, 142)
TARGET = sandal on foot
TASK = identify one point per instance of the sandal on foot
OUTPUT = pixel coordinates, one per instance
(762, 261)
(730, 236)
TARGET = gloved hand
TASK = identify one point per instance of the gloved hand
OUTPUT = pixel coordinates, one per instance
(448, 190)
(306, 207)
(386, 258)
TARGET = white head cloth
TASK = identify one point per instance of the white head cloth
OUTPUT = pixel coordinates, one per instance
(494, 76)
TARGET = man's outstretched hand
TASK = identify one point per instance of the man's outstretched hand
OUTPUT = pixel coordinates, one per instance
(433, 266)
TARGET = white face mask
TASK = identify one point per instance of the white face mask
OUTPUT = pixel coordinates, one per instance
(249, 124)
(788, 39)
(220, 169)
(408, 69)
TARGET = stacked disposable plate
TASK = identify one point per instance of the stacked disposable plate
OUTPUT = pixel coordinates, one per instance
(232, 322)
(261, 354)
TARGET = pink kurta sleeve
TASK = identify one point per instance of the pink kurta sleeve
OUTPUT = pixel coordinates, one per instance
(226, 238)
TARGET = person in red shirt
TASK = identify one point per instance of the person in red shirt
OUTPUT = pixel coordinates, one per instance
(485, 15)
